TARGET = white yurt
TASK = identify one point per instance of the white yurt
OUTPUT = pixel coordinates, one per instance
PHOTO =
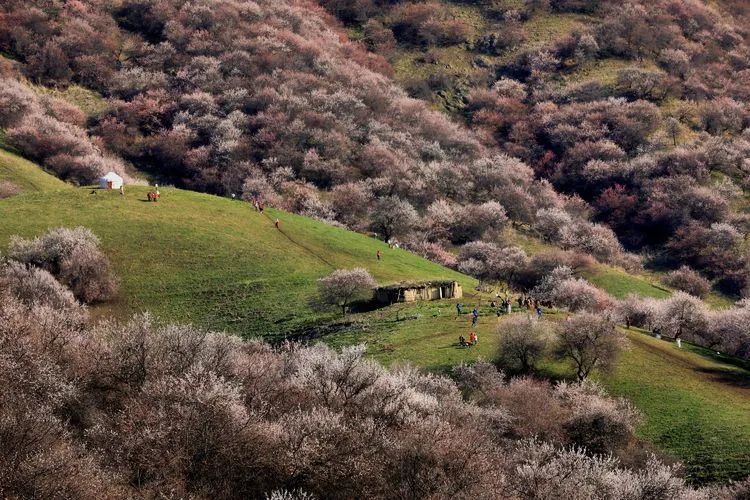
(110, 181)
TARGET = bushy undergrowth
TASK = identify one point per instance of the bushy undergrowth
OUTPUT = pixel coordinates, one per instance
(73, 257)
(142, 409)
(49, 131)
(656, 145)
(263, 99)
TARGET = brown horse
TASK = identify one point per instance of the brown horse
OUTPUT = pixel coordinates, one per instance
(152, 196)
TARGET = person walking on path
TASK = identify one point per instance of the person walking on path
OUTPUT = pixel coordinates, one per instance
(276, 223)
(377, 254)
(538, 312)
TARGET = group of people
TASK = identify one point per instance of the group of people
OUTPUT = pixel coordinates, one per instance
(531, 305)
(505, 306)
(473, 339)
(258, 205)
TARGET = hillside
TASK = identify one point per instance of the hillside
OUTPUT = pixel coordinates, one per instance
(694, 403)
(26, 175)
(578, 154)
(634, 106)
(199, 258)
(216, 262)
(601, 126)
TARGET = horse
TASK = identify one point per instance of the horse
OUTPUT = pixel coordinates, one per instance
(152, 196)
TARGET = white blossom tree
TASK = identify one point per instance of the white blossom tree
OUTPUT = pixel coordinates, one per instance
(590, 341)
(682, 315)
(344, 286)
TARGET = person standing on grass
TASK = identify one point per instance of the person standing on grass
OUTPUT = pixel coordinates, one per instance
(474, 317)
(473, 338)
(538, 312)
(377, 254)
(276, 223)
(459, 309)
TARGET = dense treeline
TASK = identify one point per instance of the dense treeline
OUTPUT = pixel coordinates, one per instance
(269, 100)
(264, 99)
(659, 154)
(147, 410)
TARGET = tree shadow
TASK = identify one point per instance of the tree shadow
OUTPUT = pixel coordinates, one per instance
(730, 377)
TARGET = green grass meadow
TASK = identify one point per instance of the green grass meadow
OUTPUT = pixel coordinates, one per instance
(217, 263)
(212, 261)
(695, 404)
(26, 175)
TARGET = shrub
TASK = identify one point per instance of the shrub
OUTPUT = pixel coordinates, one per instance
(522, 342)
(551, 222)
(589, 341)
(342, 287)
(8, 189)
(688, 281)
(34, 286)
(16, 102)
(601, 425)
(543, 263)
(594, 239)
(577, 294)
(682, 315)
(637, 311)
(488, 262)
(144, 410)
(392, 216)
(729, 330)
(74, 257)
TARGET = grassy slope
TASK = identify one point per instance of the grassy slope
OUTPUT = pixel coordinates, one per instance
(209, 260)
(26, 175)
(86, 100)
(619, 284)
(697, 408)
(695, 404)
(194, 257)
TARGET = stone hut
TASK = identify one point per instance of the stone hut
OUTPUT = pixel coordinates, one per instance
(422, 290)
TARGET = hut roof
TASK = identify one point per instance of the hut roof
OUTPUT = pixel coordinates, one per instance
(405, 285)
(111, 176)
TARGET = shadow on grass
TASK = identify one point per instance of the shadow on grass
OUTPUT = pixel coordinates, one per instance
(731, 377)
(720, 357)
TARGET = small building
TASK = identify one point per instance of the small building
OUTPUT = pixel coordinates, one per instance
(422, 290)
(110, 181)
